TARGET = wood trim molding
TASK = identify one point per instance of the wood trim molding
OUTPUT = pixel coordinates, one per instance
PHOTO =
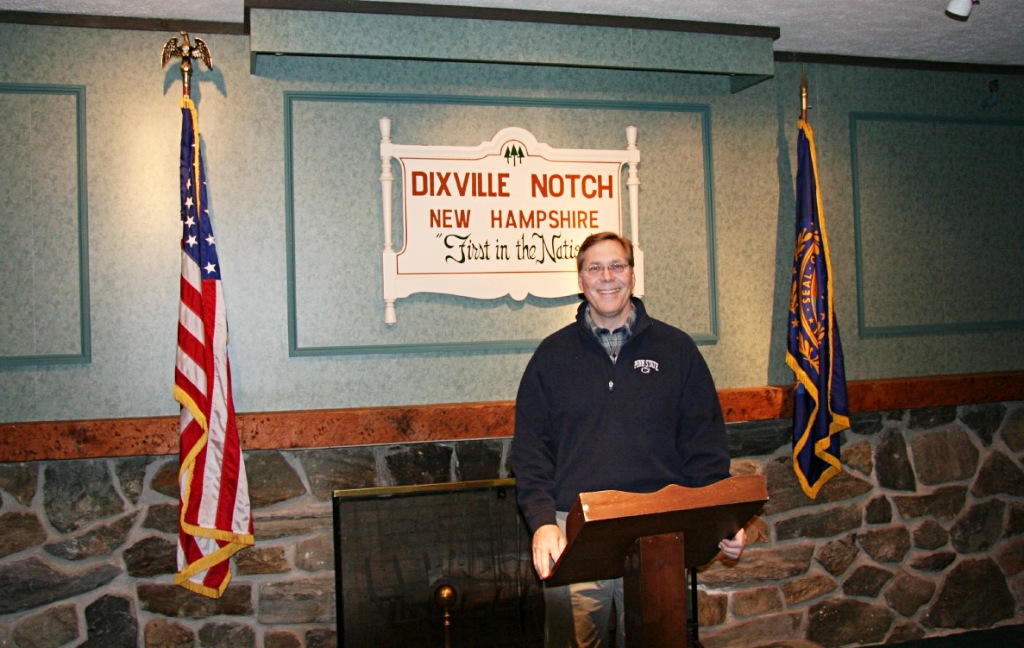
(54, 440)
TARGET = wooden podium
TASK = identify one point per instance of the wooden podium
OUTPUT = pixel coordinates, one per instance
(650, 540)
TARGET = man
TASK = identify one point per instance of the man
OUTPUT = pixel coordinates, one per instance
(615, 401)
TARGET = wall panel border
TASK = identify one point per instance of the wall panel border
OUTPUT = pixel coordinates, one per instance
(291, 98)
(84, 355)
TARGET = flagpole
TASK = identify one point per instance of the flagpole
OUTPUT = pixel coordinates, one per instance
(813, 349)
(803, 94)
(215, 513)
(186, 51)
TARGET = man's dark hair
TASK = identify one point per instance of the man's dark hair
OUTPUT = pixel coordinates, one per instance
(594, 239)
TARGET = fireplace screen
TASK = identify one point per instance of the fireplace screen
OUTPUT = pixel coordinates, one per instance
(435, 565)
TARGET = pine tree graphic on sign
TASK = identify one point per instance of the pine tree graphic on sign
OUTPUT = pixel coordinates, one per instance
(513, 154)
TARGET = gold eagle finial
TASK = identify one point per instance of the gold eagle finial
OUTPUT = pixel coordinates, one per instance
(187, 51)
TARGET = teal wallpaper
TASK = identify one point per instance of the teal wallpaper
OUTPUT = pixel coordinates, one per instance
(921, 180)
(293, 166)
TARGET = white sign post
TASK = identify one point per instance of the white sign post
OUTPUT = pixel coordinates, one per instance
(506, 217)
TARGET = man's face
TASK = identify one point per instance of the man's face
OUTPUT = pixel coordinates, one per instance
(606, 291)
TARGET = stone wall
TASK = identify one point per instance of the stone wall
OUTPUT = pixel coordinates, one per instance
(922, 535)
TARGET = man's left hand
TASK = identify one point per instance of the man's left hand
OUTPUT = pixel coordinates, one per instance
(733, 547)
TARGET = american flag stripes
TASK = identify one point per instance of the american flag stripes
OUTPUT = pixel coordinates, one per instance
(215, 520)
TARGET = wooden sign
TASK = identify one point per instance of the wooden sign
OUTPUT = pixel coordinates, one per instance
(506, 217)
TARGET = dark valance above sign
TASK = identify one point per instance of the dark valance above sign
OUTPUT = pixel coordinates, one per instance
(740, 53)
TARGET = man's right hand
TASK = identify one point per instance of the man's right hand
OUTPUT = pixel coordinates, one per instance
(548, 545)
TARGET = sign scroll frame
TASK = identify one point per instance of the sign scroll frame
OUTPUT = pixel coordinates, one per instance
(540, 283)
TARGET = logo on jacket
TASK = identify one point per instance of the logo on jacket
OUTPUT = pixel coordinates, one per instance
(645, 366)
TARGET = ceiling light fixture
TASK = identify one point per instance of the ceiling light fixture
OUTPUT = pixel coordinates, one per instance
(960, 9)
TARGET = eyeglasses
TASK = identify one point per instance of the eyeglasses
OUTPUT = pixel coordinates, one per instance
(596, 269)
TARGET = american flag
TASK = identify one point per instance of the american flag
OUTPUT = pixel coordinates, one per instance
(216, 521)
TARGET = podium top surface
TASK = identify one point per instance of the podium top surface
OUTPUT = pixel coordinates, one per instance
(603, 525)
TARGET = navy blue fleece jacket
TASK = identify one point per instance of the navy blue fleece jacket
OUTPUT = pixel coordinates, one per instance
(584, 423)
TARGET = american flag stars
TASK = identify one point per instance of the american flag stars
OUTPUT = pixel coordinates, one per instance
(197, 235)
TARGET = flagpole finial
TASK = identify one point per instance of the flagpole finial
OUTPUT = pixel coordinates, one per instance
(803, 94)
(187, 52)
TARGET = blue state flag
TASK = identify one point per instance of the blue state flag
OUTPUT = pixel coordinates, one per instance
(814, 353)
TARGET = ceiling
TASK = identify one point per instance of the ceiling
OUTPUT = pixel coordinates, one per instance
(917, 30)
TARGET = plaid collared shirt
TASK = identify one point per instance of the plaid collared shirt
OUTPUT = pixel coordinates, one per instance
(612, 341)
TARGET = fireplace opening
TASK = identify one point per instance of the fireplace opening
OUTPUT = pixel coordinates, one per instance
(435, 565)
